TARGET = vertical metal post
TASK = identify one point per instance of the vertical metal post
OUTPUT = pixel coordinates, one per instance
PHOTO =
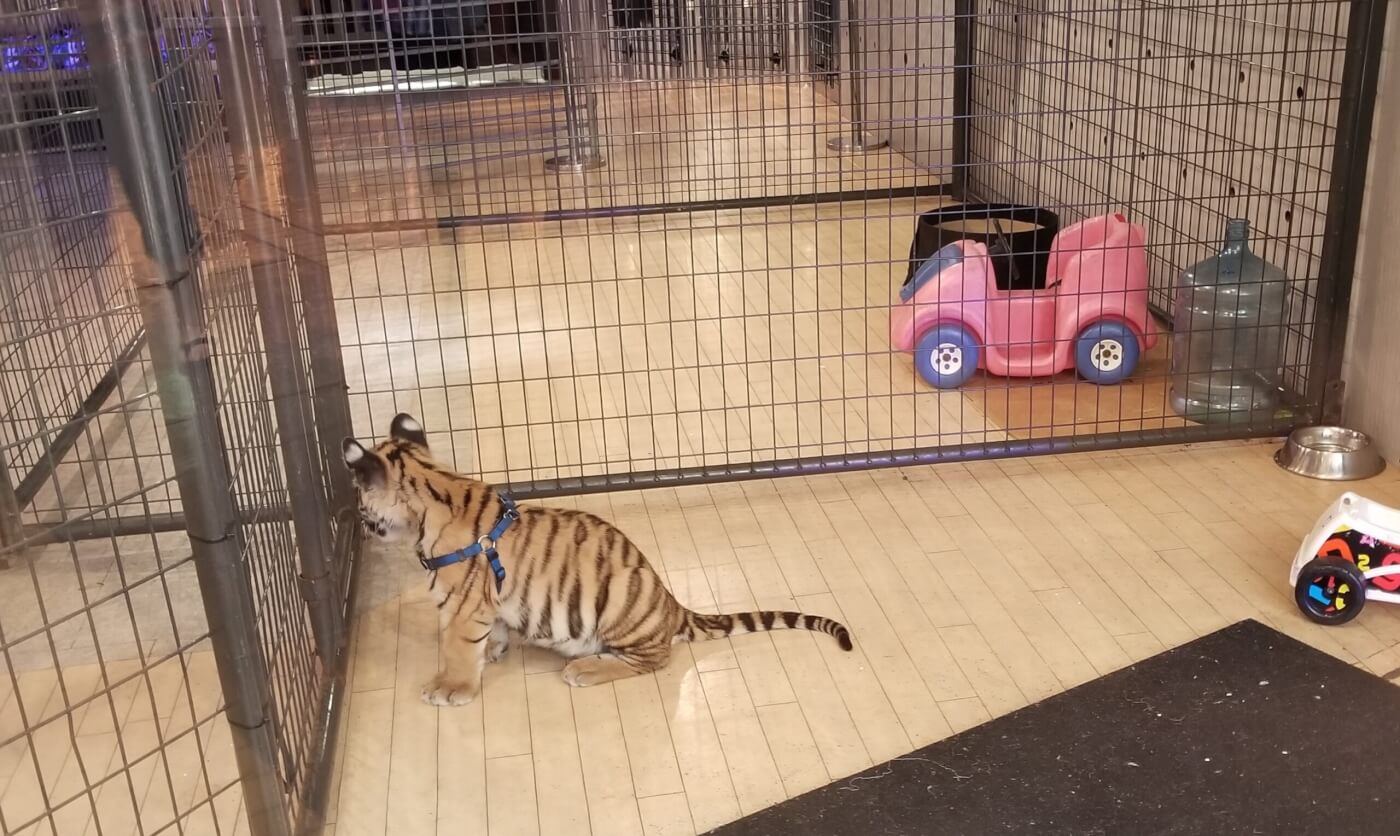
(797, 29)
(686, 22)
(1350, 157)
(302, 201)
(860, 139)
(269, 256)
(120, 46)
(393, 65)
(581, 63)
(11, 524)
(964, 19)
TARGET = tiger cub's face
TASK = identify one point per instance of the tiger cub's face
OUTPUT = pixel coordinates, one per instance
(387, 508)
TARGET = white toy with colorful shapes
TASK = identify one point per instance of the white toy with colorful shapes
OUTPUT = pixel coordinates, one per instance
(1351, 556)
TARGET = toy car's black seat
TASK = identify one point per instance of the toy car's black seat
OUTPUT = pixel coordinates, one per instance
(1018, 239)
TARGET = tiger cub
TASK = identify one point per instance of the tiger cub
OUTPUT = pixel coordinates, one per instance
(564, 580)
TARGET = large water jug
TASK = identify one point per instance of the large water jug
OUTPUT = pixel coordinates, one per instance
(1227, 331)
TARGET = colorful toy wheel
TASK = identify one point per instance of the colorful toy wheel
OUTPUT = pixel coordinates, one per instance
(1106, 352)
(947, 356)
(1330, 590)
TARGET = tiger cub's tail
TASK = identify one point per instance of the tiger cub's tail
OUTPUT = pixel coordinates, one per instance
(704, 626)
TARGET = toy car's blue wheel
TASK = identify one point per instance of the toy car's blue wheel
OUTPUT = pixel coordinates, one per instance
(1106, 352)
(1330, 590)
(947, 356)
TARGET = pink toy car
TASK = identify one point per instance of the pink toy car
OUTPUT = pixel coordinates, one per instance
(1088, 312)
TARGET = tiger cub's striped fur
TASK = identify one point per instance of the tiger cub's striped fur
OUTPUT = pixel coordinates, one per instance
(574, 583)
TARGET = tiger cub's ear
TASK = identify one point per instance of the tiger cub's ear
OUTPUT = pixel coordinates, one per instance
(406, 428)
(366, 466)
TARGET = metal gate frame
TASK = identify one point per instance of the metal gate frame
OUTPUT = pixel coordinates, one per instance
(262, 105)
(1351, 156)
(1319, 402)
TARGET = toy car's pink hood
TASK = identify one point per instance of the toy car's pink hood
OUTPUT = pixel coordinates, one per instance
(957, 294)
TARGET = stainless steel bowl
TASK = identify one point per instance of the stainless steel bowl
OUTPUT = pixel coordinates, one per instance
(1333, 453)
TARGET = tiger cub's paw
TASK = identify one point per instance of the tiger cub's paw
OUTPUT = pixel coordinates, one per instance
(497, 650)
(445, 692)
(581, 673)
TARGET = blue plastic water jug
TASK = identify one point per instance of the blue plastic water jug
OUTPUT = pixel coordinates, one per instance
(1227, 333)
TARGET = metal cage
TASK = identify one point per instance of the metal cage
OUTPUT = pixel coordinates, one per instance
(591, 244)
(706, 295)
(175, 557)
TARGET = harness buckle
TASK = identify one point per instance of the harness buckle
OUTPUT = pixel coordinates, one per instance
(487, 544)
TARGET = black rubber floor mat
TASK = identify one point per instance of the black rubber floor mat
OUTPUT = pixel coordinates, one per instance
(1242, 731)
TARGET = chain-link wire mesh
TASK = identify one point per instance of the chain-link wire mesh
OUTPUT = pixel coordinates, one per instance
(115, 713)
(713, 286)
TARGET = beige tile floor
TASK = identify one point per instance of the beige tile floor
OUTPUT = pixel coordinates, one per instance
(972, 590)
(152, 746)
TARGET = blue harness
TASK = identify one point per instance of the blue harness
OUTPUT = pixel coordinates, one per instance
(486, 545)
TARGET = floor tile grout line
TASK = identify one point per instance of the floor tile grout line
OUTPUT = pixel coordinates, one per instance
(631, 779)
(1108, 584)
(870, 666)
(1112, 588)
(1070, 634)
(1156, 556)
(880, 603)
(832, 592)
(806, 721)
(763, 731)
(710, 715)
(971, 622)
(1034, 593)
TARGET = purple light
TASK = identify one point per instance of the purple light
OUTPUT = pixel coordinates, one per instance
(68, 53)
(65, 49)
(62, 50)
(189, 41)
